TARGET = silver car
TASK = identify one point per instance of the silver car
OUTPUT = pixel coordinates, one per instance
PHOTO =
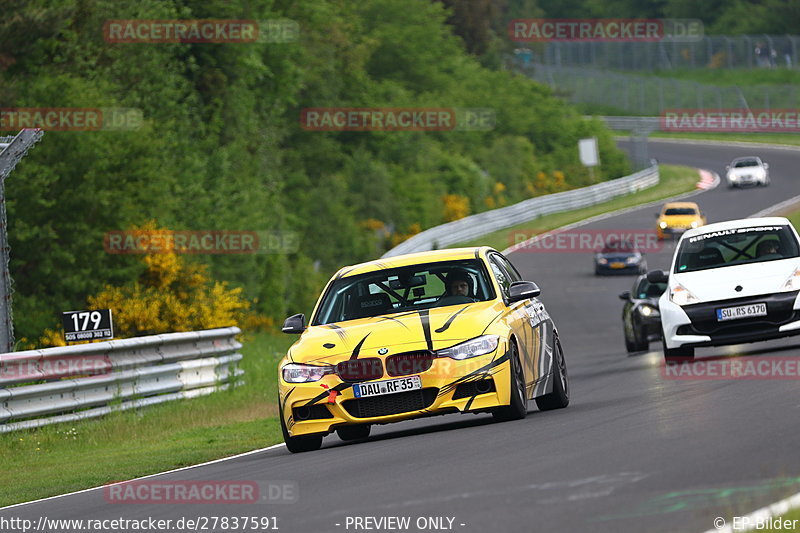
(747, 171)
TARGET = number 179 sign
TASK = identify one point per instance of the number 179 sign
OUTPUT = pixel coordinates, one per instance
(87, 325)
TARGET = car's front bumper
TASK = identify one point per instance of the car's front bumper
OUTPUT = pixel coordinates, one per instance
(626, 268)
(696, 325)
(448, 386)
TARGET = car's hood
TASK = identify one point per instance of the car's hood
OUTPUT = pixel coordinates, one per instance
(754, 279)
(435, 329)
(746, 171)
(678, 220)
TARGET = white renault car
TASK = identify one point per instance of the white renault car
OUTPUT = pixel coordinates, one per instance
(731, 282)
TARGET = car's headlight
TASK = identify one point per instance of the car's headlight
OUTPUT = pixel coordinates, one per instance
(682, 296)
(602, 261)
(648, 311)
(793, 283)
(471, 348)
(297, 373)
(694, 224)
(632, 260)
(662, 225)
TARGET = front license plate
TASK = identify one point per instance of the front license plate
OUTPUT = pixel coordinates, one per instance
(742, 311)
(390, 386)
(617, 265)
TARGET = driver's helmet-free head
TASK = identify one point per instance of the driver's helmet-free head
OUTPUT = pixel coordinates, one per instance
(458, 282)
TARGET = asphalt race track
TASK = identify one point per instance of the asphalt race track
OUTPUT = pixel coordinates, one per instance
(634, 452)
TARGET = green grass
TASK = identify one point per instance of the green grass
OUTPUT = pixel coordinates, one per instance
(741, 77)
(674, 180)
(67, 457)
(794, 218)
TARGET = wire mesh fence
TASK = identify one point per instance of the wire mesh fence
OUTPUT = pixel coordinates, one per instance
(649, 95)
(741, 51)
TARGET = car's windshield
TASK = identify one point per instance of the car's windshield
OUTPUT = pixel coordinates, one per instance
(680, 211)
(735, 247)
(645, 289)
(618, 247)
(408, 288)
(746, 163)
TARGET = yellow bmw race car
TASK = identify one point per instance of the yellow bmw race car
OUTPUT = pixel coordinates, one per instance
(416, 335)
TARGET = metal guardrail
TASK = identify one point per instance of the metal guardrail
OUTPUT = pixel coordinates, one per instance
(498, 219)
(114, 376)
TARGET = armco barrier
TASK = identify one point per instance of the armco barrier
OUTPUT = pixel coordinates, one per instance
(474, 226)
(114, 375)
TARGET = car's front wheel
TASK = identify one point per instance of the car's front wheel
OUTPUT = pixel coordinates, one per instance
(676, 355)
(303, 443)
(560, 396)
(517, 407)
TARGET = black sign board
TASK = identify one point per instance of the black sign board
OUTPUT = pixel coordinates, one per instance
(87, 325)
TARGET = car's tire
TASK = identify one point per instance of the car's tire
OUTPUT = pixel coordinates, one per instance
(629, 344)
(559, 398)
(304, 443)
(517, 407)
(677, 355)
(358, 432)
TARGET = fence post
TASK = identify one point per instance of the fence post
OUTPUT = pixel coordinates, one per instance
(10, 154)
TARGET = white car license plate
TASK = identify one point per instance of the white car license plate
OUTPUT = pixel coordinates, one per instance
(742, 311)
(390, 386)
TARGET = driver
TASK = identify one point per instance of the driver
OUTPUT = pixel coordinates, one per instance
(458, 283)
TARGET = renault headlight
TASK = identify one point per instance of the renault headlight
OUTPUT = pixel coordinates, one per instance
(682, 296)
(297, 373)
(793, 283)
(471, 348)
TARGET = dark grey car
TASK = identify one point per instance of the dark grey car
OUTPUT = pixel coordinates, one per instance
(641, 320)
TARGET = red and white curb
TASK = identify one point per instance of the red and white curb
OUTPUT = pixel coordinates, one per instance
(707, 180)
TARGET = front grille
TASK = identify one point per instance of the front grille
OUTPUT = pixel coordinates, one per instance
(704, 315)
(391, 404)
(364, 369)
(404, 364)
(473, 388)
(311, 412)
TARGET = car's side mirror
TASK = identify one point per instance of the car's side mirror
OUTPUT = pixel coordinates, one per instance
(624, 295)
(727, 167)
(766, 166)
(657, 276)
(522, 290)
(294, 324)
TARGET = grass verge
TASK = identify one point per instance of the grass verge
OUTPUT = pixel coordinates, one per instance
(674, 180)
(67, 457)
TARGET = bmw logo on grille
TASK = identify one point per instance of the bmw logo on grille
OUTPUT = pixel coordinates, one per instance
(383, 351)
